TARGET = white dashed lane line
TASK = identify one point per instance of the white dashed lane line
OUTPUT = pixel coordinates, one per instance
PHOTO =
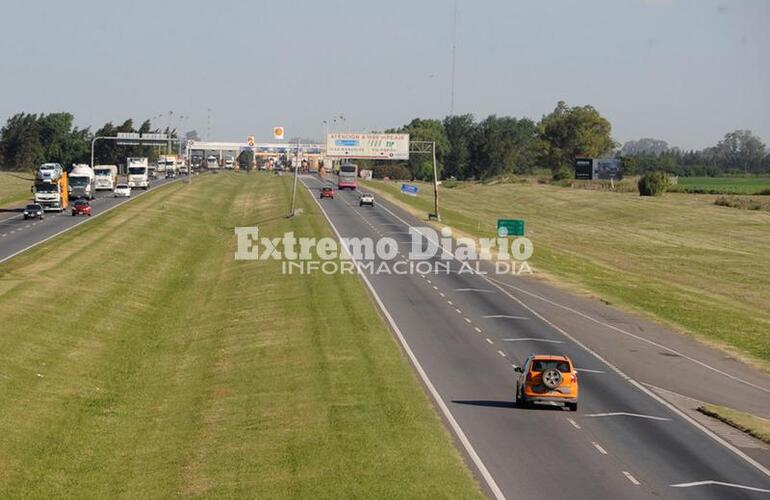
(631, 478)
(599, 448)
(574, 424)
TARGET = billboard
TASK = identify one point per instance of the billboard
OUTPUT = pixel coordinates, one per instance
(368, 146)
(584, 169)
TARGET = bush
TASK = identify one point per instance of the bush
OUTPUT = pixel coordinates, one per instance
(563, 173)
(653, 183)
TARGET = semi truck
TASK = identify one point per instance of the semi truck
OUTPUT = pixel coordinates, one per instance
(138, 171)
(106, 176)
(166, 162)
(52, 194)
(81, 182)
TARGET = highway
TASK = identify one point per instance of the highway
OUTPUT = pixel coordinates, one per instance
(18, 235)
(464, 332)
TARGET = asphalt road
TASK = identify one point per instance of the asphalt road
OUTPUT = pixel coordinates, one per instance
(464, 332)
(18, 235)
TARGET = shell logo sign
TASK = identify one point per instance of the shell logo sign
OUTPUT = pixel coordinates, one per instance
(250, 141)
(278, 132)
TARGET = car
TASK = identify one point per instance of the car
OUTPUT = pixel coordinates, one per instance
(122, 191)
(366, 199)
(327, 192)
(81, 207)
(547, 378)
(33, 211)
(170, 174)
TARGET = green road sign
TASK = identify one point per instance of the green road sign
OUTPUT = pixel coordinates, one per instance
(510, 227)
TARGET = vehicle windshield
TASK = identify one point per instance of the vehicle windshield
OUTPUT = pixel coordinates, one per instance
(33, 207)
(121, 186)
(540, 365)
(79, 181)
(47, 188)
(347, 168)
(102, 171)
(137, 170)
(81, 203)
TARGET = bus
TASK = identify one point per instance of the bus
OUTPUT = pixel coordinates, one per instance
(347, 176)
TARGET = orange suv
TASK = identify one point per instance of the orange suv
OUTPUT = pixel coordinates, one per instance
(547, 378)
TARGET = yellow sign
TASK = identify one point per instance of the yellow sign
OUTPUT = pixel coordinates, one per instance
(250, 141)
(278, 132)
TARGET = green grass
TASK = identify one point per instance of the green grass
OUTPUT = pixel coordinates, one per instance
(724, 185)
(681, 259)
(138, 359)
(14, 188)
(751, 424)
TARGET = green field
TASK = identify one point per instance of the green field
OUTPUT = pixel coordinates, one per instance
(138, 359)
(14, 188)
(681, 259)
(724, 185)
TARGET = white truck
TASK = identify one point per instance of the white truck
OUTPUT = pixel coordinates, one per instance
(81, 182)
(106, 176)
(167, 162)
(212, 162)
(138, 170)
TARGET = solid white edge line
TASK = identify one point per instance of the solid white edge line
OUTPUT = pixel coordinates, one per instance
(617, 370)
(424, 376)
(81, 222)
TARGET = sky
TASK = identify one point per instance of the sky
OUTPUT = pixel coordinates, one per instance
(686, 71)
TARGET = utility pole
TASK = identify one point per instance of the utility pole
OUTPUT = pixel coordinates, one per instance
(294, 187)
(454, 49)
(435, 185)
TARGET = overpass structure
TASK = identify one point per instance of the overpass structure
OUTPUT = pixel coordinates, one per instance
(220, 149)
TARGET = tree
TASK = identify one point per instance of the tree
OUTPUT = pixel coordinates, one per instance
(741, 150)
(460, 131)
(645, 146)
(421, 165)
(504, 145)
(569, 132)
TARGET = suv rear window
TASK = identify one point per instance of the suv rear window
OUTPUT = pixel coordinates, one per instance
(540, 365)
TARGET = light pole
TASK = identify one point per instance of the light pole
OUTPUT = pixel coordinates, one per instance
(294, 187)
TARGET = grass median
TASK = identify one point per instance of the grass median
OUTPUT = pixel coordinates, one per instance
(14, 188)
(139, 359)
(696, 266)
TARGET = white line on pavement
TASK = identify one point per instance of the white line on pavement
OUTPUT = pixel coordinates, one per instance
(631, 478)
(598, 447)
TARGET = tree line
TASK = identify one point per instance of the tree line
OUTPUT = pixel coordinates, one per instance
(504, 145)
(29, 139)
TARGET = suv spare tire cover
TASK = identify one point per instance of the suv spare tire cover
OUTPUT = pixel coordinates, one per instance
(551, 378)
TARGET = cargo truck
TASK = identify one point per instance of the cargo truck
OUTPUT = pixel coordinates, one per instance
(52, 194)
(81, 182)
(138, 172)
(106, 176)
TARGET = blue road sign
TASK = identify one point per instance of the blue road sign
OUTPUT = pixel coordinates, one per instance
(409, 189)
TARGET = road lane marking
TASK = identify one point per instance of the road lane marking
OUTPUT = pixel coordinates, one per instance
(478, 330)
(435, 287)
(489, 340)
(574, 424)
(501, 353)
(493, 487)
(449, 302)
(629, 334)
(458, 311)
(467, 320)
(532, 339)
(631, 478)
(442, 294)
(479, 290)
(673, 409)
(586, 370)
(598, 447)
(626, 414)
(503, 316)
(719, 483)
